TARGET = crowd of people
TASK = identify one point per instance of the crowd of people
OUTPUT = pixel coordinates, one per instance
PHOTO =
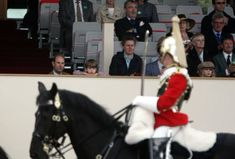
(212, 48)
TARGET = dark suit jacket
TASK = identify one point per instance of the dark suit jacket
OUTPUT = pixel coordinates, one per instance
(193, 61)
(118, 65)
(211, 45)
(148, 11)
(221, 64)
(67, 18)
(206, 23)
(152, 69)
(122, 25)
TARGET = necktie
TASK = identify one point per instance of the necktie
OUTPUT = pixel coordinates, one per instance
(79, 12)
(218, 38)
(132, 21)
(228, 60)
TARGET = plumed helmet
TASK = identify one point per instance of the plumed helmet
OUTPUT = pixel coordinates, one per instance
(173, 44)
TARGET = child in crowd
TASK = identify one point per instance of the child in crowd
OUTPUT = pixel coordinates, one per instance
(90, 68)
(206, 69)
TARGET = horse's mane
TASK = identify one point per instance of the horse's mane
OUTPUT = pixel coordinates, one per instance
(81, 102)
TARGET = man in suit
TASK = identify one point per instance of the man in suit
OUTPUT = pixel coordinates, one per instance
(58, 65)
(224, 59)
(155, 68)
(71, 11)
(197, 55)
(131, 25)
(214, 36)
(219, 6)
(147, 10)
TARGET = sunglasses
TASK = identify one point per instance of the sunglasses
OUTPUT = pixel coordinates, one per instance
(220, 3)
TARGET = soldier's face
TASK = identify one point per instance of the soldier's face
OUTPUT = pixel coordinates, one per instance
(166, 60)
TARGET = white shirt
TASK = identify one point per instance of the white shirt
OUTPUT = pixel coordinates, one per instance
(201, 56)
(75, 9)
(226, 56)
(110, 11)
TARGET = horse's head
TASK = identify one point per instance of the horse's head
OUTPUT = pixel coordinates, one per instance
(50, 122)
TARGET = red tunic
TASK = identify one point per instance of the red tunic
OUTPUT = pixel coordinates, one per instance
(177, 85)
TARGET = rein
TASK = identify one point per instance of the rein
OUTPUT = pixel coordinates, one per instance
(60, 116)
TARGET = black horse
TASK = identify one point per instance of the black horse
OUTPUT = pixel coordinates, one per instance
(3, 154)
(93, 132)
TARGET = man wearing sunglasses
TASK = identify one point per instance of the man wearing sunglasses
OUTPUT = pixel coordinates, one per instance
(219, 6)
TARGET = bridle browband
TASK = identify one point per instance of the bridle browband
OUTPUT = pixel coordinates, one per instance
(49, 142)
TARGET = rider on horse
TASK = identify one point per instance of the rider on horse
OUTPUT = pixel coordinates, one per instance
(156, 117)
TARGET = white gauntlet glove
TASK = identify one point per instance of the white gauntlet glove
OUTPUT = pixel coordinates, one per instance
(147, 102)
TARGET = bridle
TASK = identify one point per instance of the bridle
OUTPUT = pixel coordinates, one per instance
(59, 116)
(49, 141)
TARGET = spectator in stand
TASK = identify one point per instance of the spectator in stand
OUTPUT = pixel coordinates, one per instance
(214, 36)
(109, 12)
(58, 65)
(31, 18)
(225, 59)
(206, 69)
(185, 25)
(91, 69)
(148, 11)
(71, 11)
(131, 25)
(154, 68)
(207, 22)
(126, 63)
(197, 54)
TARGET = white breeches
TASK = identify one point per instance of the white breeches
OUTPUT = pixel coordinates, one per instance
(165, 131)
(142, 124)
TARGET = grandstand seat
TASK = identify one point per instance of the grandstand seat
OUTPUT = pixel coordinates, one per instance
(93, 36)
(166, 19)
(153, 2)
(163, 9)
(120, 3)
(198, 20)
(228, 10)
(159, 30)
(45, 10)
(54, 32)
(94, 49)
(79, 39)
(189, 10)
(178, 2)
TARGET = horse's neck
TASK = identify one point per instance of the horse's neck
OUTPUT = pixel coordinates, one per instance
(89, 137)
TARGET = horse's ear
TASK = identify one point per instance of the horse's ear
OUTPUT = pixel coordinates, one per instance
(54, 89)
(41, 87)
